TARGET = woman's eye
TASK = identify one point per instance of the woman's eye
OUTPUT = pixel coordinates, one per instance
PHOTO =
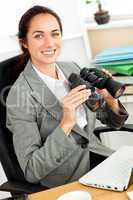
(39, 36)
(55, 34)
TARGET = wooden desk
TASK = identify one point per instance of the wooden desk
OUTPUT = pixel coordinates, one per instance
(97, 194)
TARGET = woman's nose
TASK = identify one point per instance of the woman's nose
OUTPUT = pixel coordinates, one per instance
(49, 41)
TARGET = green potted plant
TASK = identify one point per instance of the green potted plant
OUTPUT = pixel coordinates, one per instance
(101, 16)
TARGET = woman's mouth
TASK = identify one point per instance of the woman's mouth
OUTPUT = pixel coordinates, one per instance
(49, 52)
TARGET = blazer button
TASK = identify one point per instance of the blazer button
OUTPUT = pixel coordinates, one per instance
(84, 145)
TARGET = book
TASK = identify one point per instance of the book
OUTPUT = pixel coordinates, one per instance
(125, 69)
(115, 54)
(116, 51)
(113, 63)
(114, 58)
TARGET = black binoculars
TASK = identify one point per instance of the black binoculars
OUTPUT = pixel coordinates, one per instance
(95, 78)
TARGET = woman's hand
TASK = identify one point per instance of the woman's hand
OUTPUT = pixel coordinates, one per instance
(105, 94)
(70, 103)
(112, 102)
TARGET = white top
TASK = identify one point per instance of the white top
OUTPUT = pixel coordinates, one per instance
(60, 88)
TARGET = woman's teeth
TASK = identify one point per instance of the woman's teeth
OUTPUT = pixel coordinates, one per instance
(48, 52)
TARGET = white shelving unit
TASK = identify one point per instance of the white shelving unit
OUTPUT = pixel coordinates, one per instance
(114, 34)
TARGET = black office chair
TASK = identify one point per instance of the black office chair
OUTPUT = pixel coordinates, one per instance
(96, 159)
(101, 129)
(16, 183)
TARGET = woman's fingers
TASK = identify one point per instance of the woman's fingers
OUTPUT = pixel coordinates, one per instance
(107, 72)
(70, 103)
(81, 96)
(77, 89)
(75, 99)
(78, 94)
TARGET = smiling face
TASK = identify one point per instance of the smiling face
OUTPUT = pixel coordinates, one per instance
(43, 39)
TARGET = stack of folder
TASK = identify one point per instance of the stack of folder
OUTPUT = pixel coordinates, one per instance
(116, 60)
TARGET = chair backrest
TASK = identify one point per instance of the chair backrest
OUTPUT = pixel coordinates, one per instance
(8, 75)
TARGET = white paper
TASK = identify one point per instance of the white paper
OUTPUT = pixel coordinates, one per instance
(4, 195)
(130, 195)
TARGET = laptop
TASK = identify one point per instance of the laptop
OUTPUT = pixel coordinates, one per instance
(114, 173)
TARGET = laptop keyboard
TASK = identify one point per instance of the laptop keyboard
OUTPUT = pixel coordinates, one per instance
(113, 173)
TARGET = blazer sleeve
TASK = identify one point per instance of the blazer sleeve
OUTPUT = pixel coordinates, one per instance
(37, 159)
(107, 116)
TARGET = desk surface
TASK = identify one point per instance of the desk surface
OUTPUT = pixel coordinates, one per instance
(97, 194)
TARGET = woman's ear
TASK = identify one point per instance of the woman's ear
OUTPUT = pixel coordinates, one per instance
(23, 43)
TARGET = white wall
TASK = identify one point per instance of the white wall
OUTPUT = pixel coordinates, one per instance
(67, 10)
(73, 45)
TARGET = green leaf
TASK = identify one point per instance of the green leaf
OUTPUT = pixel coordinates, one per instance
(88, 1)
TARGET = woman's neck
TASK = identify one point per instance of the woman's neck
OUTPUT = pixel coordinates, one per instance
(49, 70)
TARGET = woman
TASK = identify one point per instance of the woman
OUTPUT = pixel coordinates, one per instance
(52, 128)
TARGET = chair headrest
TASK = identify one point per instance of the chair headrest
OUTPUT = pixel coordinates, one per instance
(10, 70)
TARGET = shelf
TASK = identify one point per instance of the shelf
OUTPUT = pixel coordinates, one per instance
(126, 99)
(128, 80)
(111, 24)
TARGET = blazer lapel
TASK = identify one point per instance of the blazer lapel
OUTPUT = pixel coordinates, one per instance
(42, 93)
(45, 97)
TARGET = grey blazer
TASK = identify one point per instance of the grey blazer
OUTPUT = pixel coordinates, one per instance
(45, 153)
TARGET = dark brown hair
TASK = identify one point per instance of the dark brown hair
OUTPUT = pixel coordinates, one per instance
(24, 26)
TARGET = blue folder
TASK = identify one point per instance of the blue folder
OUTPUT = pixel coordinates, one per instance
(115, 54)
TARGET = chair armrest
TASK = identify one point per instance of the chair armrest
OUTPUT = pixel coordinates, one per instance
(125, 127)
(17, 188)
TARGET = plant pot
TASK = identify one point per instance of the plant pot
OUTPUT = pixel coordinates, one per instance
(102, 17)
